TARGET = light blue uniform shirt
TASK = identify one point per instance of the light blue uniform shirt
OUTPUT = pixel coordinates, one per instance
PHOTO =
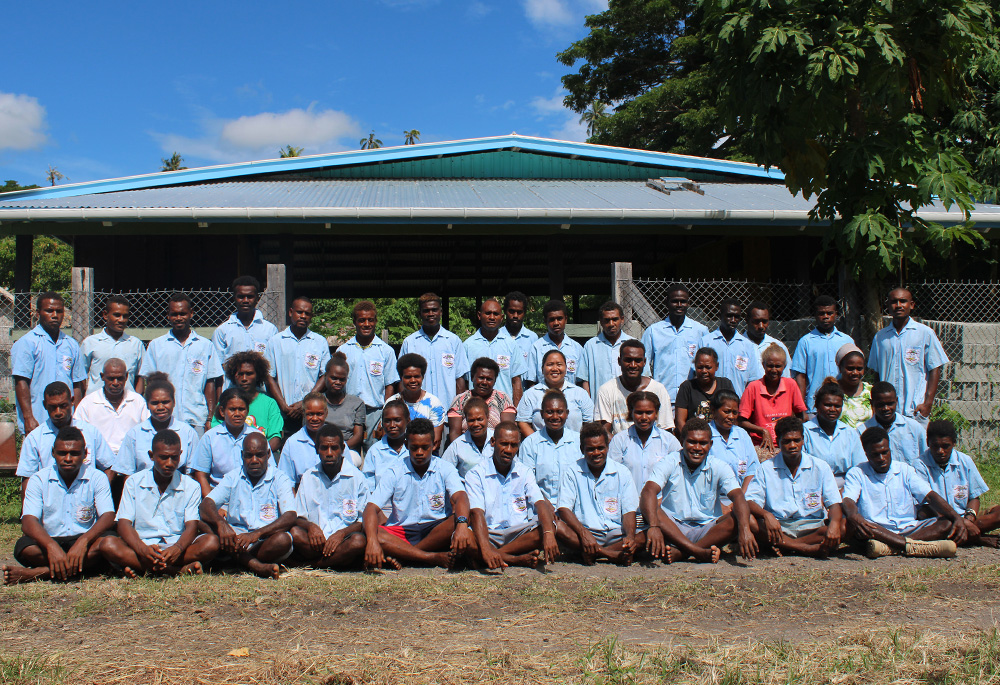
(767, 342)
(372, 369)
(463, 454)
(599, 363)
(598, 503)
(670, 351)
(250, 507)
(504, 351)
(506, 501)
(806, 495)
(738, 358)
(907, 438)
(841, 451)
(693, 497)
(218, 452)
(524, 339)
(133, 455)
(816, 357)
(569, 347)
(189, 365)
(446, 361)
(581, 407)
(67, 511)
(379, 458)
(36, 450)
(904, 359)
(414, 500)
(639, 459)
(738, 451)
(159, 518)
(548, 459)
(232, 336)
(297, 363)
(889, 499)
(42, 361)
(332, 504)
(98, 348)
(958, 482)
(298, 455)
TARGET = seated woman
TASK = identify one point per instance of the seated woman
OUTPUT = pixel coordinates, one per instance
(828, 438)
(768, 399)
(529, 411)
(221, 449)
(474, 445)
(422, 405)
(247, 371)
(483, 378)
(694, 397)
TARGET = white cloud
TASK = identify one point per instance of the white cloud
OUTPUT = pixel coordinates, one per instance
(571, 129)
(477, 9)
(547, 106)
(259, 136)
(561, 13)
(565, 121)
(22, 122)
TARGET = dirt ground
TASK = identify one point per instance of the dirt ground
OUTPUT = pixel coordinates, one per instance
(147, 630)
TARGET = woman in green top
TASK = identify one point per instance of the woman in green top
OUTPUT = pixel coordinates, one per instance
(247, 371)
(857, 393)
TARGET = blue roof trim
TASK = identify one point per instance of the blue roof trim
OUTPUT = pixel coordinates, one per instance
(392, 154)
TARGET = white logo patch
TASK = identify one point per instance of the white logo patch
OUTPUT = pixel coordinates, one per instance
(197, 366)
(570, 366)
(503, 361)
(436, 501)
(268, 512)
(813, 500)
(260, 347)
(960, 493)
(447, 360)
(375, 368)
(312, 361)
(349, 508)
(85, 513)
(912, 356)
(741, 363)
(67, 363)
(611, 505)
(520, 503)
(692, 348)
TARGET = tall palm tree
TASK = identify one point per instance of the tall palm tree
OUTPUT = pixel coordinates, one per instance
(173, 163)
(371, 142)
(54, 175)
(592, 116)
(411, 137)
(291, 151)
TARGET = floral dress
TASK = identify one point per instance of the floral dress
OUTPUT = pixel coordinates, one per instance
(858, 409)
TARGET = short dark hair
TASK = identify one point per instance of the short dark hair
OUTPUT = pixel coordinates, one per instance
(883, 388)
(231, 394)
(942, 429)
(787, 424)
(180, 297)
(411, 360)
(695, 424)
(70, 434)
(723, 396)
(678, 288)
(116, 299)
(55, 389)
(611, 306)
(474, 402)
(632, 344)
(641, 396)
(824, 301)
(553, 394)
(830, 387)
(261, 366)
(165, 437)
(243, 281)
(429, 297)
(328, 430)
(302, 298)
(484, 363)
(554, 306)
(158, 380)
(552, 352)
(729, 302)
(48, 295)
(592, 429)
(362, 306)
(488, 299)
(507, 426)
(419, 426)
(708, 352)
(873, 435)
(757, 304)
(516, 296)
(397, 404)
(313, 397)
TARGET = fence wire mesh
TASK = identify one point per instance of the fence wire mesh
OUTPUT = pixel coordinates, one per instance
(965, 316)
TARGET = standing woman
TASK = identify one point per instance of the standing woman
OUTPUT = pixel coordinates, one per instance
(857, 393)
(694, 397)
(247, 371)
(346, 412)
(578, 402)
(768, 399)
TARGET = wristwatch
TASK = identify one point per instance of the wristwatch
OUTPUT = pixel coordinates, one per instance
(461, 519)
(970, 512)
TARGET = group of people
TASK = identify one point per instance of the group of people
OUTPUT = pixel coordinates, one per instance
(260, 448)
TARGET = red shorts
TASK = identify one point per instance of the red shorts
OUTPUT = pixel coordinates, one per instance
(398, 531)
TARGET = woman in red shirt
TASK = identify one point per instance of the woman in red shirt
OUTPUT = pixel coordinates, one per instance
(768, 399)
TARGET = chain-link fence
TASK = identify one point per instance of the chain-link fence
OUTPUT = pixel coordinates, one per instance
(965, 316)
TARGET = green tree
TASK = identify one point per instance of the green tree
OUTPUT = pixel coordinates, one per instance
(173, 163)
(593, 116)
(11, 186)
(51, 263)
(371, 142)
(291, 151)
(53, 175)
(411, 137)
(856, 102)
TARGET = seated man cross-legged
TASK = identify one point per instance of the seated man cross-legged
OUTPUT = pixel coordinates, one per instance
(790, 494)
(597, 503)
(880, 503)
(259, 509)
(67, 512)
(428, 521)
(511, 520)
(158, 518)
(330, 500)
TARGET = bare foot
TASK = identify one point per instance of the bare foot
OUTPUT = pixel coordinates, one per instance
(129, 573)
(192, 569)
(393, 564)
(451, 558)
(588, 559)
(989, 541)
(264, 570)
(12, 575)
(624, 558)
(708, 556)
(529, 560)
(673, 555)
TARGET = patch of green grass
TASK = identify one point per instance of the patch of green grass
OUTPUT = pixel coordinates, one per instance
(28, 670)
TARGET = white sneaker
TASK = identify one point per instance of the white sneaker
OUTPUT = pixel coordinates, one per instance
(930, 548)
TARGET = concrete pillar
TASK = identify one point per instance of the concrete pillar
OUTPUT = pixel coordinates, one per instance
(274, 302)
(83, 302)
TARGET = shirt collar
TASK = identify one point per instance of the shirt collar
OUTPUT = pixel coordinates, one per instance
(130, 397)
(737, 336)
(39, 331)
(149, 482)
(266, 478)
(192, 337)
(431, 467)
(779, 463)
(441, 332)
(257, 318)
(287, 333)
(545, 432)
(910, 325)
(838, 427)
(82, 475)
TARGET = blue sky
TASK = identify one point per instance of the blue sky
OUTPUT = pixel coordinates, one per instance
(107, 89)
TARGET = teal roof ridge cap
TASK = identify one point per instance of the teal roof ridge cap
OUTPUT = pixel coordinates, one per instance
(220, 172)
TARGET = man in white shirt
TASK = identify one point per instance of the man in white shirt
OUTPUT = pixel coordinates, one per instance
(116, 408)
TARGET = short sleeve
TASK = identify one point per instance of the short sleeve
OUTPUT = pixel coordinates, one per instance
(364, 495)
(214, 366)
(749, 399)
(618, 447)
(385, 488)
(727, 480)
(664, 470)
(629, 494)
(857, 451)
(103, 456)
(602, 407)
(450, 455)
(567, 489)
(683, 400)
(304, 502)
(148, 364)
(452, 481)
(525, 408)
(666, 414)
(324, 358)
(531, 489)
(753, 467)
(103, 501)
(461, 359)
(30, 461)
(222, 492)
(853, 484)
(917, 485)
(126, 508)
(270, 355)
(800, 358)
(672, 444)
(831, 493)
(439, 415)
(503, 402)
(78, 373)
(286, 465)
(755, 493)
(390, 371)
(202, 460)
(935, 355)
(798, 404)
(586, 405)
(874, 353)
(531, 372)
(517, 363)
(455, 410)
(191, 508)
(359, 413)
(32, 505)
(286, 498)
(22, 359)
(583, 368)
(475, 490)
(977, 486)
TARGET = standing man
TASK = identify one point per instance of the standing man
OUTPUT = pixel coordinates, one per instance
(43, 356)
(816, 354)
(758, 321)
(908, 355)
(190, 361)
(116, 408)
(600, 354)
(298, 357)
(488, 342)
(738, 357)
(447, 362)
(246, 328)
(112, 342)
(556, 317)
(671, 344)
(515, 308)
(372, 361)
